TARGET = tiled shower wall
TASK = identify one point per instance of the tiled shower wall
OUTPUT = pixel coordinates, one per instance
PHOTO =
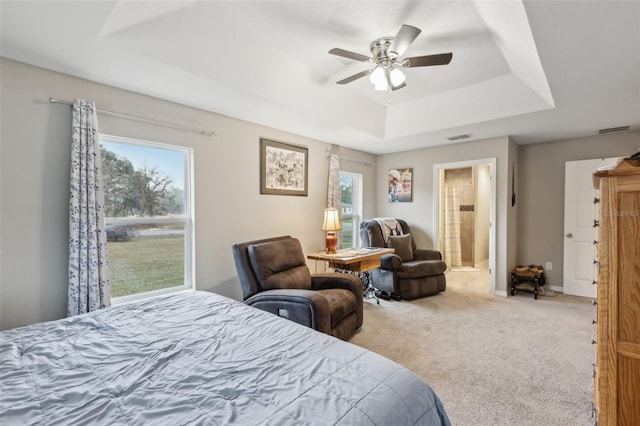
(462, 179)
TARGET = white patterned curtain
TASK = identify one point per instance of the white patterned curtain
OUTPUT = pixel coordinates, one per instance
(333, 188)
(452, 252)
(89, 287)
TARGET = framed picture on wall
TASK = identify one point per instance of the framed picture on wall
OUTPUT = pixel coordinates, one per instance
(283, 168)
(400, 185)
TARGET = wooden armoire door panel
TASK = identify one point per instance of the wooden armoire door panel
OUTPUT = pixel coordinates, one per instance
(617, 382)
(628, 406)
(628, 205)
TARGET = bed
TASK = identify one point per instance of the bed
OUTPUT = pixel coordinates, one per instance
(197, 358)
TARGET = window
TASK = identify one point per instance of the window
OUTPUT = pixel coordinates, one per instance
(351, 207)
(148, 215)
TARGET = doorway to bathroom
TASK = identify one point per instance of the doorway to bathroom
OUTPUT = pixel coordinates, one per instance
(464, 212)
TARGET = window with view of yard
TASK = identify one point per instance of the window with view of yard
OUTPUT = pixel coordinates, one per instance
(350, 208)
(148, 215)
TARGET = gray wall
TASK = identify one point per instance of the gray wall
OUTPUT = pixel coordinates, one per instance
(34, 152)
(541, 194)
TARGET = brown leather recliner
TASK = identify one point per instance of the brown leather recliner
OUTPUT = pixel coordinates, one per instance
(274, 277)
(410, 272)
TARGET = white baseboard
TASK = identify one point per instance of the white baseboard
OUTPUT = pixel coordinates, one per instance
(501, 293)
(556, 288)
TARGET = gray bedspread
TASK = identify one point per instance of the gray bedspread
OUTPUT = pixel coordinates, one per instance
(196, 358)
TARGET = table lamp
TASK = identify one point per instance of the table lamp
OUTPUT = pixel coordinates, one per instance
(331, 224)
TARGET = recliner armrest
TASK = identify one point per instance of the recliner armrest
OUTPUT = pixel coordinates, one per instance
(329, 280)
(426, 254)
(305, 307)
(390, 262)
(334, 280)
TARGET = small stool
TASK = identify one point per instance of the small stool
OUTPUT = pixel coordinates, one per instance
(536, 281)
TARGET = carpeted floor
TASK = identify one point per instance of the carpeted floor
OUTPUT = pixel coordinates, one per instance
(493, 361)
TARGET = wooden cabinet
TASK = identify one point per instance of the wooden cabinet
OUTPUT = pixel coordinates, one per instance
(617, 380)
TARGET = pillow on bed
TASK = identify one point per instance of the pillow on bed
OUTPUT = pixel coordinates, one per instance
(402, 245)
(280, 264)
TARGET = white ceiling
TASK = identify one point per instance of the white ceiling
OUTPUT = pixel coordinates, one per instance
(536, 71)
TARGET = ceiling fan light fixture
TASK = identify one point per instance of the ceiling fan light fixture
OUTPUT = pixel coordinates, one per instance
(385, 55)
(381, 87)
(377, 77)
(397, 77)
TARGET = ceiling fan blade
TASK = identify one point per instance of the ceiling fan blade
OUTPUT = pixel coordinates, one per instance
(428, 60)
(349, 55)
(406, 35)
(354, 77)
(399, 86)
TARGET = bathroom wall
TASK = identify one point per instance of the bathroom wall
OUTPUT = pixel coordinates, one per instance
(463, 180)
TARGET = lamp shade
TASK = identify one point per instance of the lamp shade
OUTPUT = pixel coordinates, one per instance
(397, 77)
(381, 87)
(331, 220)
(377, 77)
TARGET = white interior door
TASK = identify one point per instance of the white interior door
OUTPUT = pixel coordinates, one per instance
(580, 211)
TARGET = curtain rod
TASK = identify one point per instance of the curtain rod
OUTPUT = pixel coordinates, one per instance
(142, 119)
(355, 160)
(347, 158)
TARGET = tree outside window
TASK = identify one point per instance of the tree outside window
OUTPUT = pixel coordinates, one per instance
(148, 216)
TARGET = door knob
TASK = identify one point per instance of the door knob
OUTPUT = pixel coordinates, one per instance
(569, 235)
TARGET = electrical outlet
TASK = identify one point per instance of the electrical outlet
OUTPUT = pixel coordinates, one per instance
(548, 266)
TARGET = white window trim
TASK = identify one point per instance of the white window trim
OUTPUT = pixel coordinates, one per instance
(189, 282)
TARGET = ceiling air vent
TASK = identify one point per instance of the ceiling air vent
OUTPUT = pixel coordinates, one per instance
(613, 129)
(459, 137)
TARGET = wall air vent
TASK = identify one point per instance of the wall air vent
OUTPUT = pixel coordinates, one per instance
(459, 137)
(613, 129)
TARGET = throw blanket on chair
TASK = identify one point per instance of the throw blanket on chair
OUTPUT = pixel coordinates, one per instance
(389, 226)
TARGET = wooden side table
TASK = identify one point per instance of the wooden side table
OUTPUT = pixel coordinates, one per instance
(357, 261)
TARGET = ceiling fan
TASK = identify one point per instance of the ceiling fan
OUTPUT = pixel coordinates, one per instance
(385, 54)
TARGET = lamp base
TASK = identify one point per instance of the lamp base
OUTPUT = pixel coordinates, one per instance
(331, 242)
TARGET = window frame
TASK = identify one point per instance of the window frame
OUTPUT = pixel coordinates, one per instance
(188, 219)
(357, 202)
